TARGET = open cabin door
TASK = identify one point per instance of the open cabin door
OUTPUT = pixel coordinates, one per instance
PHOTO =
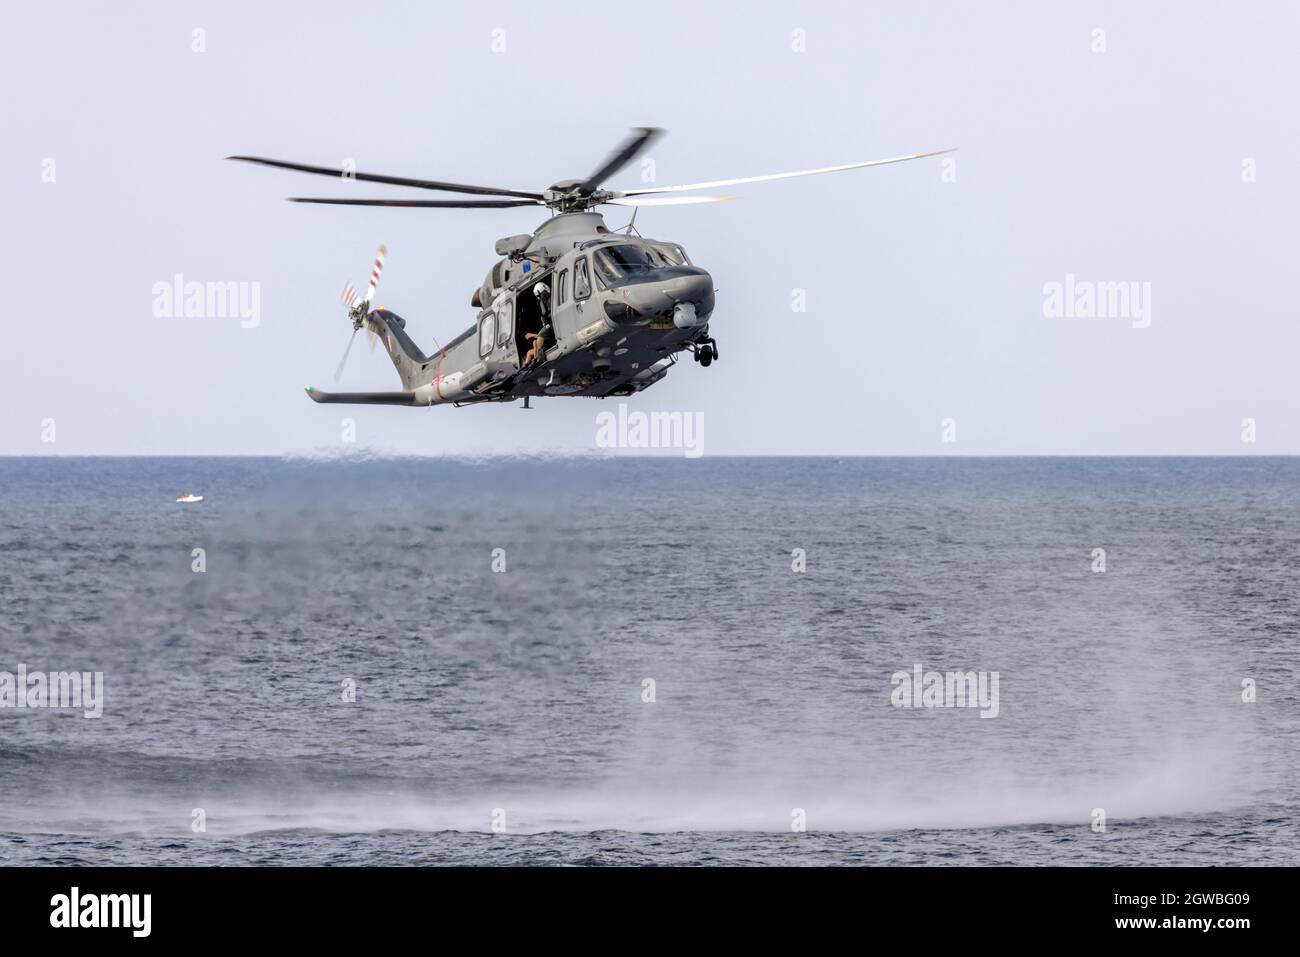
(529, 318)
(504, 334)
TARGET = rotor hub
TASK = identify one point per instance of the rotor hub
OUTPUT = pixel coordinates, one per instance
(573, 196)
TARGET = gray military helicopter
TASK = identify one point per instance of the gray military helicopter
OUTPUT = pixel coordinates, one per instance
(572, 309)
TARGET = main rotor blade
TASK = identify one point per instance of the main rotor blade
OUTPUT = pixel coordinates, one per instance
(637, 140)
(391, 180)
(759, 179)
(422, 203)
(668, 200)
(338, 373)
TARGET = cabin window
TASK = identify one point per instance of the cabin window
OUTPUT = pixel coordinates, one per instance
(562, 288)
(487, 331)
(581, 281)
(505, 322)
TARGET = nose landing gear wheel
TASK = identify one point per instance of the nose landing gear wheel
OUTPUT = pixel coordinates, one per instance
(705, 351)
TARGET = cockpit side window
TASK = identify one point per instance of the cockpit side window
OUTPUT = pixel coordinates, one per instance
(562, 288)
(581, 280)
(487, 330)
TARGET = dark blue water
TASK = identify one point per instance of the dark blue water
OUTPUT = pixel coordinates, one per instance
(516, 699)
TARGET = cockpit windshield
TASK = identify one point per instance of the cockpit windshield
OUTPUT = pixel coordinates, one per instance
(616, 263)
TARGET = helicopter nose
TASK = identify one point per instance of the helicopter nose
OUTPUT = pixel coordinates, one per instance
(692, 288)
(658, 294)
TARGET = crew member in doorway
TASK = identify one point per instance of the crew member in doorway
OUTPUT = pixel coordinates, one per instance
(537, 339)
(543, 294)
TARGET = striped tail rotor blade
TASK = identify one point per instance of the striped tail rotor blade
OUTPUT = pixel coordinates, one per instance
(349, 294)
(374, 273)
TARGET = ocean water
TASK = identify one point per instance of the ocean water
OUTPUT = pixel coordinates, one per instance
(502, 716)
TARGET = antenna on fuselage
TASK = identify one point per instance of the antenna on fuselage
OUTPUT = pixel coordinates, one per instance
(438, 344)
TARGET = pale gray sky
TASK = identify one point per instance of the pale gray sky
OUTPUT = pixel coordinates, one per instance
(925, 298)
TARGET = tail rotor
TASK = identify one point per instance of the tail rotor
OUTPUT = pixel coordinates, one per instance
(359, 309)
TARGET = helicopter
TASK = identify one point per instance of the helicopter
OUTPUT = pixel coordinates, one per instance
(573, 308)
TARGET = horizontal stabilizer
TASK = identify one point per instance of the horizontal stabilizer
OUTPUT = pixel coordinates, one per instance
(363, 398)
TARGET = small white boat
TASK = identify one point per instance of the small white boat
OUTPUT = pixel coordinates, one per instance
(189, 497)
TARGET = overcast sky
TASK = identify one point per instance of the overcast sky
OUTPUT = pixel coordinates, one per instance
(1162, 150)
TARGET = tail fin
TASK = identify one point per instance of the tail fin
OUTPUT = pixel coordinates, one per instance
(407, 358)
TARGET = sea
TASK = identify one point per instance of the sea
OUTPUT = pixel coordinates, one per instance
(651, 661)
